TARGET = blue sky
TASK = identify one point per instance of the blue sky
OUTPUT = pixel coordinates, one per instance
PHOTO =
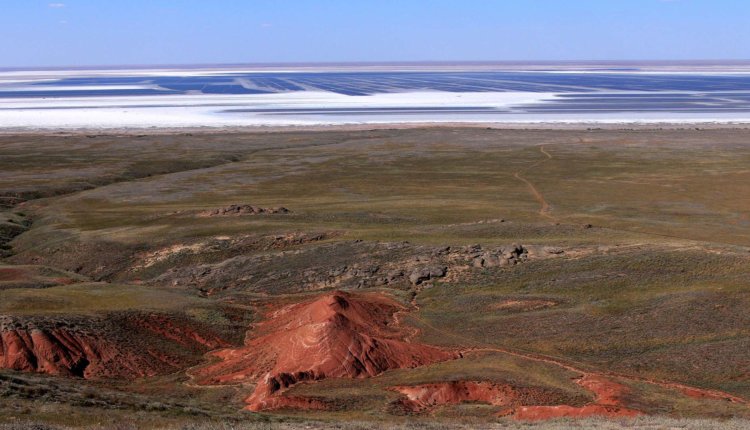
(110, 32)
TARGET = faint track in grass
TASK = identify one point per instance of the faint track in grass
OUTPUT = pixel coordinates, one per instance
(545, 209)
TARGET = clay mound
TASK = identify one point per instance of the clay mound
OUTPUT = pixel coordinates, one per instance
(123, 347)
(65, 353)
(419, 398)
(338, 335)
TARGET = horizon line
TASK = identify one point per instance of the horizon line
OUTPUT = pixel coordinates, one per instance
(667, 62)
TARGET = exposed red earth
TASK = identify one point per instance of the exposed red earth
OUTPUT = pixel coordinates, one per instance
(61, 352)
(92, 353)
(336, 335)
(179, 333)
(348, 335)
(11, 274)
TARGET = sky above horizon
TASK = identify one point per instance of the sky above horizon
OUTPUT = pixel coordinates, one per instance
(153, 32)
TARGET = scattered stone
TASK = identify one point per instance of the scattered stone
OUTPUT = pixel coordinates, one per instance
(246, 210)
(426, 273)
(347, 265)
(501, 257)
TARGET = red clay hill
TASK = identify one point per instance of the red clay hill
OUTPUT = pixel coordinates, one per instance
(337, 335)
(110, 347)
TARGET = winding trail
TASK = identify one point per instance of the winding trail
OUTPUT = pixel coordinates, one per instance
(545, 209)
(398, 318)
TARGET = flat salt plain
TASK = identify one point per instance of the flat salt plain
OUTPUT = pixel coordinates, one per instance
(262, 96)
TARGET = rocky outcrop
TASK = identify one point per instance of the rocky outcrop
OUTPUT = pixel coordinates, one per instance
(345, 265)
(506, 256)
(245, 210)
(337, 335)
(422, 274)
(221, 247)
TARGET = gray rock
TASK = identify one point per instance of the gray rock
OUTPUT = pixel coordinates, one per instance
(420, 275)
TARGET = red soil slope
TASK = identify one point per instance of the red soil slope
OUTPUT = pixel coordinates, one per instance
(66, 350)
(61, 352)
(336, 335)
(11, 274)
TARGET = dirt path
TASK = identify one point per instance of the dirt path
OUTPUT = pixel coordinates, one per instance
(545, 209)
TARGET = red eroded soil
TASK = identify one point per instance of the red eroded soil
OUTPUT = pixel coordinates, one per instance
(154, 345)
(419, 398)
(64, 281)
(11, 274)
(337, 335)
(180, 333)
(608, 402)
(61, 352)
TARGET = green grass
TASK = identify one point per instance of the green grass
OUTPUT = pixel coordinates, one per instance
(88, 298)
